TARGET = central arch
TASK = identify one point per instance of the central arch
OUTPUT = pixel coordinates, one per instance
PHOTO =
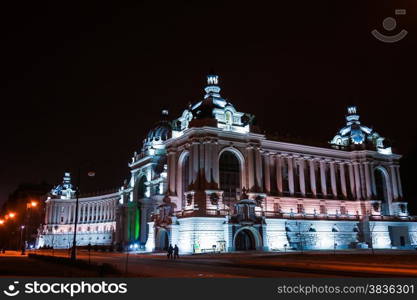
(382, 188)
(231, 176)
(246, 239)
(183, 176)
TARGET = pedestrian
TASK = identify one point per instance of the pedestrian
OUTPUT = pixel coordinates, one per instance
(176, 250)
(170, 250)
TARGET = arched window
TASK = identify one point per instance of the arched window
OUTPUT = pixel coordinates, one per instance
(381, 189)
(228, 117)
(229, 168)
(185, 180)
(141, 187)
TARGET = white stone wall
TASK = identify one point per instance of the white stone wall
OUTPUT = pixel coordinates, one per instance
(63, 238)
(197, 233)
(381, 235)
(150, 243)
(276, 236)
(311, 234)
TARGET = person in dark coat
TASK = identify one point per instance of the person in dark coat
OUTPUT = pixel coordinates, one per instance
(170, 250)
(176, 250)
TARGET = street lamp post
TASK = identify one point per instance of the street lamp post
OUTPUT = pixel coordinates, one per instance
(77, 194)
(74, 240)
(30, 205)
(21, 239)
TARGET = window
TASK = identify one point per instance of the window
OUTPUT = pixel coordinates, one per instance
(141, 187)
(229, 168)
(322, 209)
(300, 208)
(343, 210)
(228, 118)
(381, 189)
(185, 180)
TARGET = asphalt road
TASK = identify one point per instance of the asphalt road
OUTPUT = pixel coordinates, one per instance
(249, 265)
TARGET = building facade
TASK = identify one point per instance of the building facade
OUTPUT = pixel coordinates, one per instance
(96, 223)
(209, 180)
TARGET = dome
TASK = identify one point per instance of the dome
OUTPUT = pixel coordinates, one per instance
(161, 130)
(212, 100)
(65, 190)
(354, 135)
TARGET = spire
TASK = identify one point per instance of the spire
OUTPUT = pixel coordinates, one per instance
(212, 89)
(352, 117)
(67, 180)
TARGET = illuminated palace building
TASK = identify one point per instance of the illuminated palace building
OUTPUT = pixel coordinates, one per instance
(209, 180)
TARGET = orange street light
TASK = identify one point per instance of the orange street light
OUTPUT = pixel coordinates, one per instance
(32, 204)
(1, 222)
(12, 215)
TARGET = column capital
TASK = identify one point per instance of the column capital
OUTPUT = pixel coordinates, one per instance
(265, 153)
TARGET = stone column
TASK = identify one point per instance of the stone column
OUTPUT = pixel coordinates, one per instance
(215, 163)
(312, 177)
(267, 172)
(79, 213)
(100, 215)
(343, 179)
(302, 179)
(357, 181)
(207, 160)
(201, 157)
(111, 211)
(352, 180)
(290, 174)
(373, 184)
(107, 211)
(251, 171)
(86, 212)
(394, 182)
(258, 168)
(368, 181)
(194, 161)
(52, 212)
(172, 169)
(278, 161)
(48, 213)
(323, 177)
(333, 179)
(363, 181)
(69, 215)
(400, 188)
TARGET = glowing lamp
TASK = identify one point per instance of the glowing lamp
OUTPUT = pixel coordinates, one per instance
(33, 203)
(1, 222)
(91, 173)
(12, 215)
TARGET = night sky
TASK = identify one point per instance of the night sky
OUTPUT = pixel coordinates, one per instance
(84, 82)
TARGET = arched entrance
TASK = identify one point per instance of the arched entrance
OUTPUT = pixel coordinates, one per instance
(162, 240)
(246, 239)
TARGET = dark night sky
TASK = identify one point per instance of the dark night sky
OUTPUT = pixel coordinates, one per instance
(84, 82)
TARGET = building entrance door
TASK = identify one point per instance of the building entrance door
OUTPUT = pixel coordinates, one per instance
(245, 241)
